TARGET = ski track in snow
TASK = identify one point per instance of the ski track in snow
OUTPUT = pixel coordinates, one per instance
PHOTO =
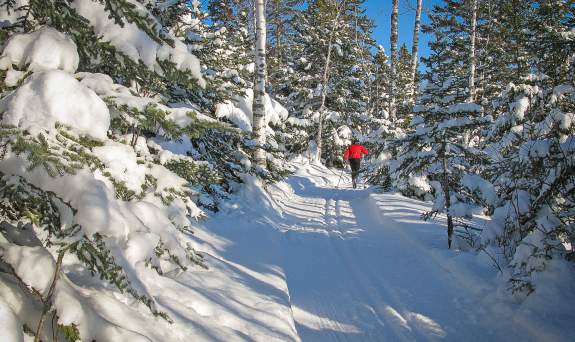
(320, 263)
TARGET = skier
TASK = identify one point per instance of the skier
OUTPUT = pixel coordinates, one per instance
(354, 154)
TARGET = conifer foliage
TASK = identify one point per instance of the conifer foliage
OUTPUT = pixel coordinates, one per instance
(110, 150)
(492, 132)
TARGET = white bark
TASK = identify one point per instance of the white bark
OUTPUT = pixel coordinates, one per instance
(392, 90)
(260, 85)
(325, 79)
(414, 48)
(472, 60)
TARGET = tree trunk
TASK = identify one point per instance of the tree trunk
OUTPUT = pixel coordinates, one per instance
(392, 90)
(47, 301)
(325, 79)
(447, 197)
(260, 85)
(472, 51)
(414, 49)
(277, 23)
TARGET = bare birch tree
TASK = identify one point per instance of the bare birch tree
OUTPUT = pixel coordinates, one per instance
(414, 49)
(326, 75)
(258, 127)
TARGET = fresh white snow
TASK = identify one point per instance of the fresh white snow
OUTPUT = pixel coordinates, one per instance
(54, 97)
(37, 50)
(239, 111)
(307, 259)
(316, 262)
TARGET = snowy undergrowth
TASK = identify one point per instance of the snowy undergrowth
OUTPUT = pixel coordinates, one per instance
(109, 159)
(101, 184)
(113, 210)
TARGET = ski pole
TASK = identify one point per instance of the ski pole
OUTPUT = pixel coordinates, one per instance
(339, 180)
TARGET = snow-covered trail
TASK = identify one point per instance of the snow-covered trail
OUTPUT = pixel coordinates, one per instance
(371, 271)
(318, 263)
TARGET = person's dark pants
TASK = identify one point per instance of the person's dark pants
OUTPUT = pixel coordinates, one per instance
(354, 163)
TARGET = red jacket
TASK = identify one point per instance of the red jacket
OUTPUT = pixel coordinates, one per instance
(354, 152)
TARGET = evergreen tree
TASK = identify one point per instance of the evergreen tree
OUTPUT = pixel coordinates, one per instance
(403, 84)
(280, 14)
(531, 147)
(226, 58)
(351, 75)
(137, 91)
(380, 85)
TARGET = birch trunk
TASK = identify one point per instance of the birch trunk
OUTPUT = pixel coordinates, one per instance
(472, 60)
(393, 40)
(324, 81)
(414, 49)
(260, 85)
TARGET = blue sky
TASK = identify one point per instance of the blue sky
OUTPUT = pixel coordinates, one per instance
(380, 12)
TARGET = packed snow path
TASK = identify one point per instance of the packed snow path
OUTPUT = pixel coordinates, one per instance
(338, 264)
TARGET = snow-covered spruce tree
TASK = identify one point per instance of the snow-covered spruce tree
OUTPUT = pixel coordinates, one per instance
(96, 166)
(380, 85)
(447, 81)
(531, 143)
(438, 156)
(280, 14)
(435, 158)
(403, 99)
(231, 67)
(225, 51)
(314, 38)
(348, 85)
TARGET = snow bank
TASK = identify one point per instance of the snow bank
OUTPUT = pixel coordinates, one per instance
(44, 49)
(51, 97)
(137, 44)
(240, 111)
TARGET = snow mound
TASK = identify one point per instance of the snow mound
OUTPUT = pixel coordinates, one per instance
(241, 114)
(43, 49)
(51, 97)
